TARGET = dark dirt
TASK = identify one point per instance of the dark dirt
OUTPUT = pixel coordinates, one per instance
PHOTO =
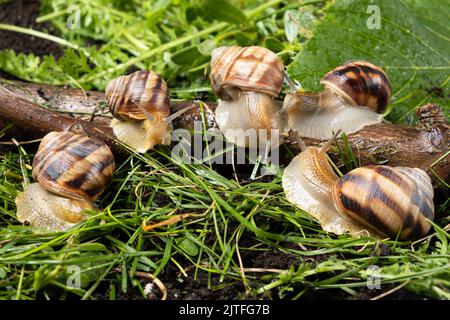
(180, 287)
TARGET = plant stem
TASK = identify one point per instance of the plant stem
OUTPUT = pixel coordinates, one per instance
(50, 16)
(175, 43)
(155, 51)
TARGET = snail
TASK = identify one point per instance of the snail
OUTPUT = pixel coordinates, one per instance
(376, 200)
(71, 170)
(140, 105)
(355, 95)
(247, 80)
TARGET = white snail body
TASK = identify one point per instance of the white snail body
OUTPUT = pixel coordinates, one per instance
(250, 120)
(307, 182)
(380, 201)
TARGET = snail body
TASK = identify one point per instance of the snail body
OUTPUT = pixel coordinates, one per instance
(247, 80)
(249, 119)
(140, 105)
(71, 170)
(376, 200)
(307, 182)
(355, 95)
(47, 211)
(390, 200)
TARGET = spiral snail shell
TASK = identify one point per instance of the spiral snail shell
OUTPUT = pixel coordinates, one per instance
(389, 200)
(71, 171)
(355, 95)
(249, 69)
(139, 95)
(360, 83)
(140, 104)
(246, 79)
(376, 200)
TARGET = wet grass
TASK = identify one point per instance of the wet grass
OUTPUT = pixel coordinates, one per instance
(227, 222)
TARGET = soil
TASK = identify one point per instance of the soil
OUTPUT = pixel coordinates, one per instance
(24, 13)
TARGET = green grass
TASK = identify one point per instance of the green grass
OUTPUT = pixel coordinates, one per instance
(174, 40)
(231, 223)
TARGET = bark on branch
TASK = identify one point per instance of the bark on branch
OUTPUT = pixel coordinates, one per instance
(36, 109)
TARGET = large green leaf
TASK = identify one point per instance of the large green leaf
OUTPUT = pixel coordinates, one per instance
(412, 45)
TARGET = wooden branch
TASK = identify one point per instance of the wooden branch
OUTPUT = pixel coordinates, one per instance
(37, 109)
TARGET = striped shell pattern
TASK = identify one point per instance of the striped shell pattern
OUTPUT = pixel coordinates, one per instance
(73, 165)
(250, 69)
(391, 200)
(128, 95)
(360, 83)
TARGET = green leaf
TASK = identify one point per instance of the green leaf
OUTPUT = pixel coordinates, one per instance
(223, 10)
(412, 45)
(274, 44)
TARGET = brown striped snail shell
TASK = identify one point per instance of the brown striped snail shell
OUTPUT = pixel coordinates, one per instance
(133, 96)
(140, 104)
(355, 95)
(71, 171)
(246, 79)
(248, 69)
(360, 83)
(373, 200)
(73, 165)
(391, 200)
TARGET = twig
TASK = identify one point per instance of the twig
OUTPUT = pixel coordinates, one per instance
(171, 220)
